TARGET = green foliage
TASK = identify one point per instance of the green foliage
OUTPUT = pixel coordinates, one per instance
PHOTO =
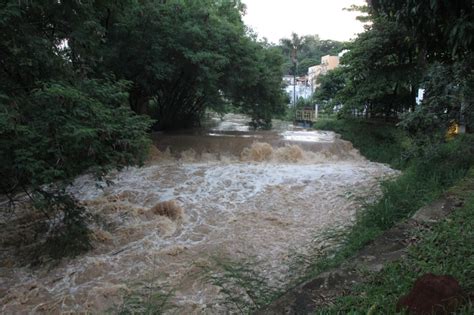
(380, 71)
(409, 44)
(426, 174)
(58, 119)
(205, 62)
(377, 141)
(442, 28)
(181, 56)
(55, 133)
(262, 97)
(67, 233)
(61, 130)
(245, 290)
(422, 181)
(305, 63)
(448, 100)
(330, 84)
(406, 42)
(443, 250)
(73, 74)
(306, 51)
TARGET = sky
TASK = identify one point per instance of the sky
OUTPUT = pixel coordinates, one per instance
(275, 19)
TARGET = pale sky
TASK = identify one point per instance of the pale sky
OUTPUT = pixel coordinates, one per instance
(275, 19)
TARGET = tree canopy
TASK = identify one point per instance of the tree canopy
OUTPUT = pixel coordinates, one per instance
(82, 83)
(185, 56)
(306, 51)
(410, 45)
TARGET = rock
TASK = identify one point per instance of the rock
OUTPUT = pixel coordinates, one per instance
(432, 294)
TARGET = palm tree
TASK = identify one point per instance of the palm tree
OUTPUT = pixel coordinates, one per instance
(294, 44)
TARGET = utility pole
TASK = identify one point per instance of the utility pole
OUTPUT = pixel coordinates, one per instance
(295, 63)
(294, 44)
(294, 90)
(294, 87)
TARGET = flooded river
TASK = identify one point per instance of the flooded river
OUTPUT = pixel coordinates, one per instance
(221, 193)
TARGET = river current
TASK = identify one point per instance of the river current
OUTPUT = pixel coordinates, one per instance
(222, 193)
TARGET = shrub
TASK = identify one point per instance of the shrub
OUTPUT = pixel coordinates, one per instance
(52, 134)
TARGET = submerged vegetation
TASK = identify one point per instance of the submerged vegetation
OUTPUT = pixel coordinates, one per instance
(244, 290)
(425, 176)
(444, 249)
(82, 84)
(375, 91)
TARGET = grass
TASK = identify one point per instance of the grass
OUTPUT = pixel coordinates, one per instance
(424, 179)
(243, 288)
(444, 249)
(146, 297)
(426, 175)
(377, 141)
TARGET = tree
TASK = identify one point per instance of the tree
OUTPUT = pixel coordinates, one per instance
(57, 119)
(330, 85)
(442, 28)
(443, 32)
(291, 47)
(178, 72)
(262, 97)
(310, 51)
(381, 70)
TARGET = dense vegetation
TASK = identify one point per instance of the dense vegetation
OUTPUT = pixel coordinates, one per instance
(427, 172)
(406, 46)
(185, 56)
(82, 83)
(302, 52)
(443, 250)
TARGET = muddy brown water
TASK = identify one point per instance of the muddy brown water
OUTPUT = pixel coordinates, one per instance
(241, 195)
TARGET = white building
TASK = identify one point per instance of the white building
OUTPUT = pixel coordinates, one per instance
(302, 88)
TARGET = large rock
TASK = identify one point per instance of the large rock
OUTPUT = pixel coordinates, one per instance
(433, 294)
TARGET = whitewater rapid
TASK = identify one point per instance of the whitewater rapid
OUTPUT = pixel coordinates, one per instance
(266, 204)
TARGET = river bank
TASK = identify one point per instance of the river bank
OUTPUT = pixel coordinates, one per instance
(425, 178)
(436, 239)
(206, 202)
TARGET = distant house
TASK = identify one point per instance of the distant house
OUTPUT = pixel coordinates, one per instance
(288, 79)
(301, 89)
(328, 62)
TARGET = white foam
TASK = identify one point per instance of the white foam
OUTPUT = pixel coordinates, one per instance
(239, 209)
(309, 136)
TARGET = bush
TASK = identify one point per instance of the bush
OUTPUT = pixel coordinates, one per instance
(67, 233)
(61, 130)
(444, 249)
(379, 142)
(448, 100)
(52, 134)
(426, 174)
